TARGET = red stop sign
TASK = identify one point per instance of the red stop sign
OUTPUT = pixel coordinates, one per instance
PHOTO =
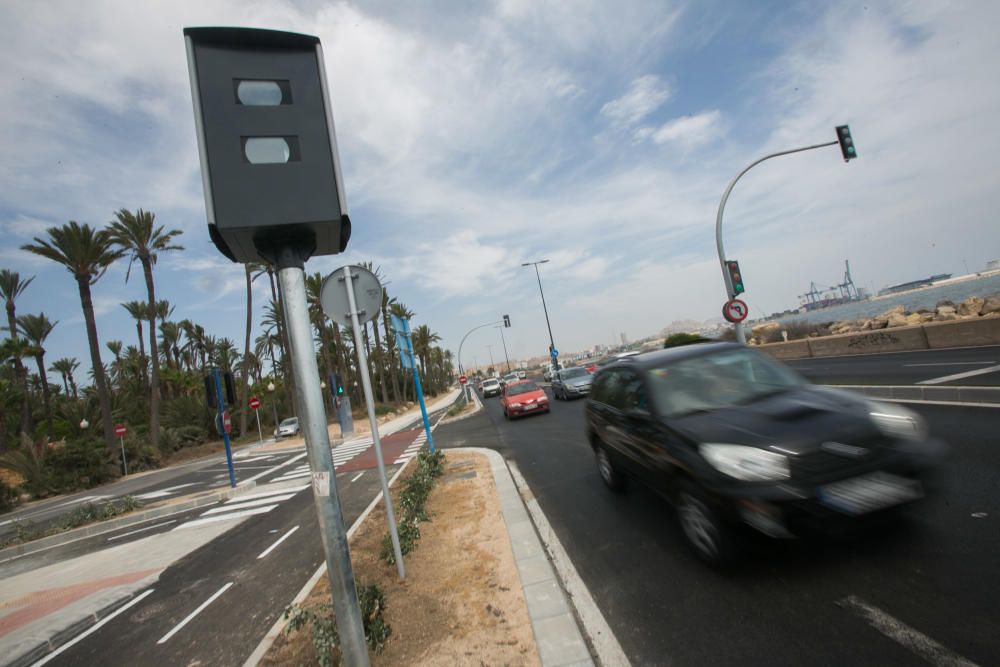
(254, 403)
(463, 379)
(120, 430)
(227, 422)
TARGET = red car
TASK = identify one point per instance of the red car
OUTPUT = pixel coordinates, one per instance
(523, 398)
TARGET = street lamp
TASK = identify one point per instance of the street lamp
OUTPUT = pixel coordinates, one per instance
(552, 343)
(274, 407)
(84, 424)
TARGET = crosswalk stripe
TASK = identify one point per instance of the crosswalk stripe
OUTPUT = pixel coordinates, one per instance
(226, 517)
(251, 503)
(264, 493)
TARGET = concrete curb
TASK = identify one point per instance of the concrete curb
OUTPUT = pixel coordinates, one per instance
(479, 407)
(554, 621)
(986, 397)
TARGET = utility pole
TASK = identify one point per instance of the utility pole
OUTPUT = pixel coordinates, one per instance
(553, 352)
(505, 356)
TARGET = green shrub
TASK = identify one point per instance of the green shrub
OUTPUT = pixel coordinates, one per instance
(677, 339)
(79, 464)
(323, 625)
(8, 497)
(411, 501)
(90, 513)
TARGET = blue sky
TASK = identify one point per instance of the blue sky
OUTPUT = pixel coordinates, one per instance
(477, 136)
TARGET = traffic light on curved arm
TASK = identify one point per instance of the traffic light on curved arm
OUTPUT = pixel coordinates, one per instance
(735, 277)
(847, 148)
(506, 321)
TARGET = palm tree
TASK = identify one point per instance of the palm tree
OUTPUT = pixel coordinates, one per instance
(423, 339)
(135, 234)
(390, 343)
(115, 346)
(379, 367)
(139, 310)
(170, 336)
(36, 329)
(65, 367)
(249, 268)
(86, 253)
(11, 287)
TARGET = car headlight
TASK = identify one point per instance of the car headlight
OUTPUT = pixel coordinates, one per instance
(896, 421)
(747, 463)
(515, 405)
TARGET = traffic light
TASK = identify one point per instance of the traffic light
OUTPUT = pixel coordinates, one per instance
(336, 384)
(229, 388)
(846, 142)
(506, 321)
(735, 277)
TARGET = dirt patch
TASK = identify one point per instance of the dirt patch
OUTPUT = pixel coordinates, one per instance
(461, 603)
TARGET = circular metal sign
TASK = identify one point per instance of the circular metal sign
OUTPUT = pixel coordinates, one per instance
(254, 403)
(120, 430)
(367, 295)
(462, 379)
(735, 311)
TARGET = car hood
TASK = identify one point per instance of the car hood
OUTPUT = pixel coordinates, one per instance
(528, 397)
(794, 422)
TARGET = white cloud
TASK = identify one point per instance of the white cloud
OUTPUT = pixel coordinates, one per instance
(644, 96)
(687, 131)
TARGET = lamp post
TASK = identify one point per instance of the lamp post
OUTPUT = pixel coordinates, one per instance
(274, 406)
(84, 424)
(552, 343)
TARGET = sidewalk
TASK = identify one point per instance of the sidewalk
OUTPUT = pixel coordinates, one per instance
(43, 607)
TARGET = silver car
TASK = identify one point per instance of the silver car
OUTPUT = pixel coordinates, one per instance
(287, 427)
(571, 383)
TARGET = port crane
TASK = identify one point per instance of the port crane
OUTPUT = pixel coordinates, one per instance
(822, 297)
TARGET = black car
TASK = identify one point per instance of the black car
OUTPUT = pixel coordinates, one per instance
(734, 439)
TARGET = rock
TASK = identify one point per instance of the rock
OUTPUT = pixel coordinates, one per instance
(926, 316)
(991, 305)
(915, 318)
(944, 310)
(880, 323)
(946, 317)
(971, 306)
(897, 320)
(762, 330)
(898, 309)
(946, 302)
(866, 325)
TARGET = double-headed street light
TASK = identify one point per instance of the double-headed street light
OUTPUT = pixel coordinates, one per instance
(553, 353)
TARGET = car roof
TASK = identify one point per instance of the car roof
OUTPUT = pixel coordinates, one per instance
(490, 380)
(659, 357)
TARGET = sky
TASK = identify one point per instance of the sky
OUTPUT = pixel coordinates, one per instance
(475, 137)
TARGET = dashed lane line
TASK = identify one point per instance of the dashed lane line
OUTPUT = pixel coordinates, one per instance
(961, 376)
(194, 613)
(894, 629)
(275, 545)
(226, 517)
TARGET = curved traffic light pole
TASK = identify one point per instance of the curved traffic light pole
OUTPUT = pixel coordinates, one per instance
(461, 369)
(740, 333)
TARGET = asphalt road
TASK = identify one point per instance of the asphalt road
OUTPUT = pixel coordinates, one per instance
(814, 603)
(901, 368)
(231, 590)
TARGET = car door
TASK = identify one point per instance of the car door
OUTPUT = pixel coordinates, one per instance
(616, 432)
(647, 440)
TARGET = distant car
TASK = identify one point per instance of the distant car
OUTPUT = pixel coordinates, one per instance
(287, 427)
(738, 441)
(510, 378)
(571, 383)
(491, 387)
(523, 398)
(522, 375)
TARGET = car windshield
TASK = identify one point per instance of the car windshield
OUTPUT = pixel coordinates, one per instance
(522, 388)
(290, 422)
(570, 373)
(490, 382)
(721, 380)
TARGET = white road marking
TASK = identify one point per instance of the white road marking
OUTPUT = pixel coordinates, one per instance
(915, 641)
(292, 475)
(84, 499)
(250, 503)
(275, 545)
(358, 476)
(962, 376)
(163, 493)
(277, 467)
(194, 613)
(953, 363)
(140, 530)
(226, 517)
(97, 626)
(264, 493)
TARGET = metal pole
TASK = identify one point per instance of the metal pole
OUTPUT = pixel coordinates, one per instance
(312, 417)
(124, 462)
(220, 404)
(260, 433)
(740, 333)
(504, 348)
(490, 348)
(366, 384)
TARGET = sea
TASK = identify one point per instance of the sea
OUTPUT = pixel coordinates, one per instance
(922, 298)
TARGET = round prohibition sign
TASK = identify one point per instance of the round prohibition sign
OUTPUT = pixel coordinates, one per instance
(735, 311)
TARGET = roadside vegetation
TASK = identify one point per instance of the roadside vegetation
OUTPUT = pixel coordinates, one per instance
(87, 513)
(57, 437)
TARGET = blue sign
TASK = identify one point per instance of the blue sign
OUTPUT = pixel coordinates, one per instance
(403, 342)
(554, 353)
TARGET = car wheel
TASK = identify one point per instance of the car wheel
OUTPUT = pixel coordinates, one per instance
(703, 530)
(612, 478)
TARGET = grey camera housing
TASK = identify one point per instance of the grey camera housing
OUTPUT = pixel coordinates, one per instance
(269, 160)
